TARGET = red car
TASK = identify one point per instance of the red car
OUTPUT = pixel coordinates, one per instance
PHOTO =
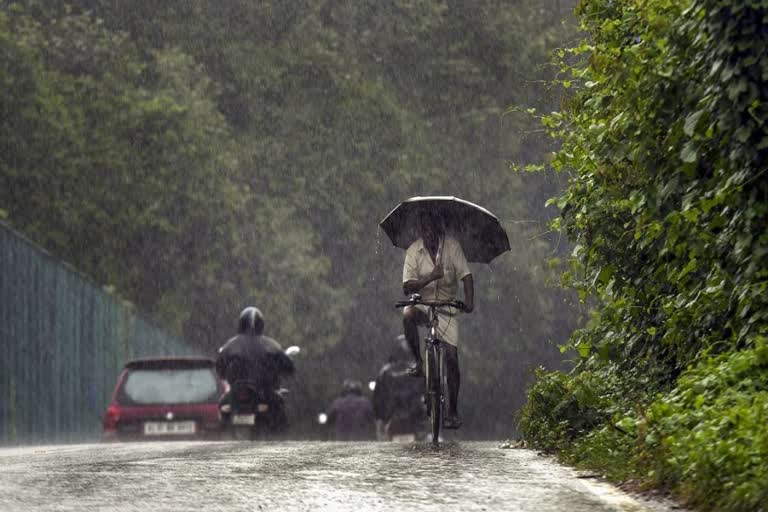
(165, 398)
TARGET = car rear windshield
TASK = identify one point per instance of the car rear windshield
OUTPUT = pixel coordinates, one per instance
(176, 386)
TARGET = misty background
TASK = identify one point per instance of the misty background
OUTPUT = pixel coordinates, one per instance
(198, 157)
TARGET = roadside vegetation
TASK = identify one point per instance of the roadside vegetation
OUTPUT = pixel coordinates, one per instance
(665, 144)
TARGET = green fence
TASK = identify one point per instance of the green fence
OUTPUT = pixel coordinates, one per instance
(63, 341)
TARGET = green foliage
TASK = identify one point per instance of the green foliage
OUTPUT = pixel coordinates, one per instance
(539, 424)
(667, 197)
(564, 408)
(131, 173)
(664, 141)
(198, 156)
(706, 440)
(709, 437)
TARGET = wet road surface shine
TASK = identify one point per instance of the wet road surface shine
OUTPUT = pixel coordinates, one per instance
(308, 476)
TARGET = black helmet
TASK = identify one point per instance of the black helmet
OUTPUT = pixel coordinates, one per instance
(251, 322)
(352, 387)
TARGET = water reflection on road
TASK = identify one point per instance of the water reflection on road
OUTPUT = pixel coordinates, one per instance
(289, 476)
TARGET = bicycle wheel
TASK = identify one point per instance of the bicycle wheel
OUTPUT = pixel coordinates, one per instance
(434, 391)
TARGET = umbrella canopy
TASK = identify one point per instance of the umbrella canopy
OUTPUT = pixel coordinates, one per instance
(478, 231)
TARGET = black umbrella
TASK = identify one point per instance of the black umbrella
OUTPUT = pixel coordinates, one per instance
(478, 231)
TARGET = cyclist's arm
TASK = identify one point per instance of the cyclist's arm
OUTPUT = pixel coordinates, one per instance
(415, 285)
(469, 293)
(413, 281)
(465, 274)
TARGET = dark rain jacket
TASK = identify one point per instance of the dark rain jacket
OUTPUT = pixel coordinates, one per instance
(397, 393)
(257, 359)
(351, 416)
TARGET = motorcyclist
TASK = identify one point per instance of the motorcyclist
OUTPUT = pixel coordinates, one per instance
(252, 358)
(398, 399)
(351, 414)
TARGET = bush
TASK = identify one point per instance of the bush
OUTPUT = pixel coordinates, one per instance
(538, 424)
(665, 142)
(573, 415)
(708, 439)
(563, 407)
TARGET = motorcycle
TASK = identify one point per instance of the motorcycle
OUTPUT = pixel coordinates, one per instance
(250, 412)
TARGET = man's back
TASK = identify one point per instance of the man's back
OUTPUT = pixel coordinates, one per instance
(257, 359)
(352, 418)
(397, 392)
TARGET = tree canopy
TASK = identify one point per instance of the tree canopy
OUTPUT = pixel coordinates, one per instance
(201, 156)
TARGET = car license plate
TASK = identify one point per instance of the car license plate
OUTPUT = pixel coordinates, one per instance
(243, 419)
(159, 428)
(262, 407)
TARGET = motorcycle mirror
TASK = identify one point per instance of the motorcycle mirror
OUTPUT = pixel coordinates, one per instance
(372, 385)
(292, 350)
(322, 418)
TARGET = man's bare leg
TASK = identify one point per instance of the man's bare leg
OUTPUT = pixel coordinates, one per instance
(412, 319)
(454, 382)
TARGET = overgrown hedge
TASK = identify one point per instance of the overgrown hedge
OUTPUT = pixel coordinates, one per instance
(709, 437)
(665, 143)
(706, 440)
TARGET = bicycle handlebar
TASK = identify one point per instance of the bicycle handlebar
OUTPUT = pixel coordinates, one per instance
(417, 301)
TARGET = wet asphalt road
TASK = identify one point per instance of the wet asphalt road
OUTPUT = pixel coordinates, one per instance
(310, 476)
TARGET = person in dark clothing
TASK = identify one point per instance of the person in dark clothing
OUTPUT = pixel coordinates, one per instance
(398, 399)
(252, 358)
(351, 414)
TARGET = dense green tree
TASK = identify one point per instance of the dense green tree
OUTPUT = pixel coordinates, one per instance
(665, 143)
(212, 155)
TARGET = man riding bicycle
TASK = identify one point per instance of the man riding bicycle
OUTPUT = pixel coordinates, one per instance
(434, 265)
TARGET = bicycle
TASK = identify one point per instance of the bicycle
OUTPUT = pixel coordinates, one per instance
(434, 361)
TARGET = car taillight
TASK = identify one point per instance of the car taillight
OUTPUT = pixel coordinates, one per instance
(111, 417)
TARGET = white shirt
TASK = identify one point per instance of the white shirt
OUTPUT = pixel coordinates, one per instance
(419, 264)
